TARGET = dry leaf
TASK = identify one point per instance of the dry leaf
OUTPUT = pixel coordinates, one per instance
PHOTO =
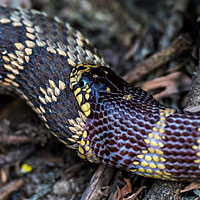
(192, 186)
(120, 193)
(127, 189)
(173, 83)
(192, 109)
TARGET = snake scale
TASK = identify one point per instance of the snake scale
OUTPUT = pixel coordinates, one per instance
(87, 106)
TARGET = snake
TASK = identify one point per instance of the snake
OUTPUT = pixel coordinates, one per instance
(89, 108)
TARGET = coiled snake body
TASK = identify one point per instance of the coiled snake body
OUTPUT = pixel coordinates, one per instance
(87, 106)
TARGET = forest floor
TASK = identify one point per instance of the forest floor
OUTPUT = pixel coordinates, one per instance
(151, 44)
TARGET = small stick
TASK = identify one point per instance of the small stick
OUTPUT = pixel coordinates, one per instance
(17, 155)
(17, 139)
(14, 139)
(98, 187)
(181, 44)
(9, 188)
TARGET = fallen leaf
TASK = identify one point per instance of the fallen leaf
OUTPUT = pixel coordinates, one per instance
(192, 186)
(192, 109)
(173, 83)
(120, 193)
(127, 189)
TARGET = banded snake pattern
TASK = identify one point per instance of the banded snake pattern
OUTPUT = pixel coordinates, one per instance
(87, 106)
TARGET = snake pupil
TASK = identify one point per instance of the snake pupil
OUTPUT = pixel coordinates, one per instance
(82, 83)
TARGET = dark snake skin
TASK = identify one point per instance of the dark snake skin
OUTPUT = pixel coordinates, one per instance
(87, 106)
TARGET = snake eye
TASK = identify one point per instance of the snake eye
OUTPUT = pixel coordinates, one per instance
(82, 83)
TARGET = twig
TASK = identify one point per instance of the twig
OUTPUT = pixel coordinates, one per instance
(14, 139)
(18, 139)
(181, 44)
(9, 188)
(16, 155)
(98, 187)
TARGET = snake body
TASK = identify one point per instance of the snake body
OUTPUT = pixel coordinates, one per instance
(87, 106)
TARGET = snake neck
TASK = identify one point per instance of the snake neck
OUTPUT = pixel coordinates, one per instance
(114, 114)
(132, 131)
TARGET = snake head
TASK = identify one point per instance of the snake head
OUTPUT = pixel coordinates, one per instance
(87, 81)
